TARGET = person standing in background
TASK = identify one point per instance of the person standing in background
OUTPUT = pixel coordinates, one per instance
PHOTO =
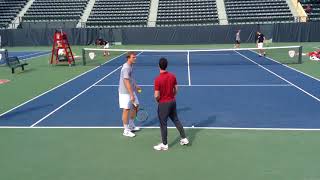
(237, 45)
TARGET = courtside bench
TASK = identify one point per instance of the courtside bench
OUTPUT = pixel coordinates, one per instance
(13, 63)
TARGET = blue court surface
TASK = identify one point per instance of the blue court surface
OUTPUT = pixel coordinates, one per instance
(216, 90)
(26, 55)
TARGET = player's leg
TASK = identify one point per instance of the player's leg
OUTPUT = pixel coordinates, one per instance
(237, 44)
(174, 117)
(260, 49)
(163, 114)
(133, 114)
(125, 115)
(125, 105)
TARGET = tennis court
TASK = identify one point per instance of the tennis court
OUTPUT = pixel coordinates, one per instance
(253, 119)
(247, 116)
(218, 89)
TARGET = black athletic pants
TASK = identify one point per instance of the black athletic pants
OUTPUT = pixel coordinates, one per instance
(165, 110)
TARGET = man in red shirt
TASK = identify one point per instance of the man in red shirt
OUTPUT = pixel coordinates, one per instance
(165, 90)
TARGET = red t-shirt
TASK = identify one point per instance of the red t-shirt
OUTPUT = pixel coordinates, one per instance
(165, 84)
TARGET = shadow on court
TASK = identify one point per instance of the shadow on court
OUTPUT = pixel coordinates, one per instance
(192, 133)
(24, 111)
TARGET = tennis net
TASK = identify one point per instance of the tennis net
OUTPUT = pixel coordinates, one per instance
(241, 56)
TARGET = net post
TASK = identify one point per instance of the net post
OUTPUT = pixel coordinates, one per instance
(83, 56)
(300, 55)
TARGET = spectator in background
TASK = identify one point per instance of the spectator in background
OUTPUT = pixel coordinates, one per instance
(308, 9)
(106, 46)
(260, 40)
(237, 45)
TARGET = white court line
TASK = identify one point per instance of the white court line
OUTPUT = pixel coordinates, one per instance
(314, 97)
(58, 85)
(74, 97)
(164, 55)
(35, 56)
(290, 67)
(32, 54)
(212, 85)
(189, 76)
(77, 95)
(156, 127)
(190, 50)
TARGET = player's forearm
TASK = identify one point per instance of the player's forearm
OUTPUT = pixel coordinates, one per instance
(175, 90)
(135, 84)
(157, 95)
(128, 86)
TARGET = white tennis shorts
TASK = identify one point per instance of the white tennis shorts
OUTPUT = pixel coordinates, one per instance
(260, 45)
(124, 101)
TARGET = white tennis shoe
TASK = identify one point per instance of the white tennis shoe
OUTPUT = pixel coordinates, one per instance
(161, 147)
(184, 141)
(128, 133)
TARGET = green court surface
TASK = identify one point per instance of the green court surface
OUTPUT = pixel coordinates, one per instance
(99, 154)
(81, 154)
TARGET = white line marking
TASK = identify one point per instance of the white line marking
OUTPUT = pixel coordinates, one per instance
(77, 95)
(190, 50)
(290, 67)
(280, 77)
(35, 57)
(156, 127)
(32, 54)
(213, 85)
(74, 97)
(58, 86)
(189, 76)
(164, 54)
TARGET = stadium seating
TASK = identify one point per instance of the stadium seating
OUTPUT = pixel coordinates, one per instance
(9, 10)
(118, 13)
(258, 11)
(314, 14)
(58, 10)
(187, 12)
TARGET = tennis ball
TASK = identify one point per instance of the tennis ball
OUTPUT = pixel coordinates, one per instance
(139, 90)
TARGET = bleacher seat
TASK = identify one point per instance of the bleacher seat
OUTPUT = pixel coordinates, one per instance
(187, 12)
(119, 13)
(9, 10)
(57, 10)
(314, 15)
(258, 11)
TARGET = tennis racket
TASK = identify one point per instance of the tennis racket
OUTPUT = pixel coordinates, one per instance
(142, 114)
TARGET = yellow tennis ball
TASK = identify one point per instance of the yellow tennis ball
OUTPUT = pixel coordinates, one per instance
(139, 90)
